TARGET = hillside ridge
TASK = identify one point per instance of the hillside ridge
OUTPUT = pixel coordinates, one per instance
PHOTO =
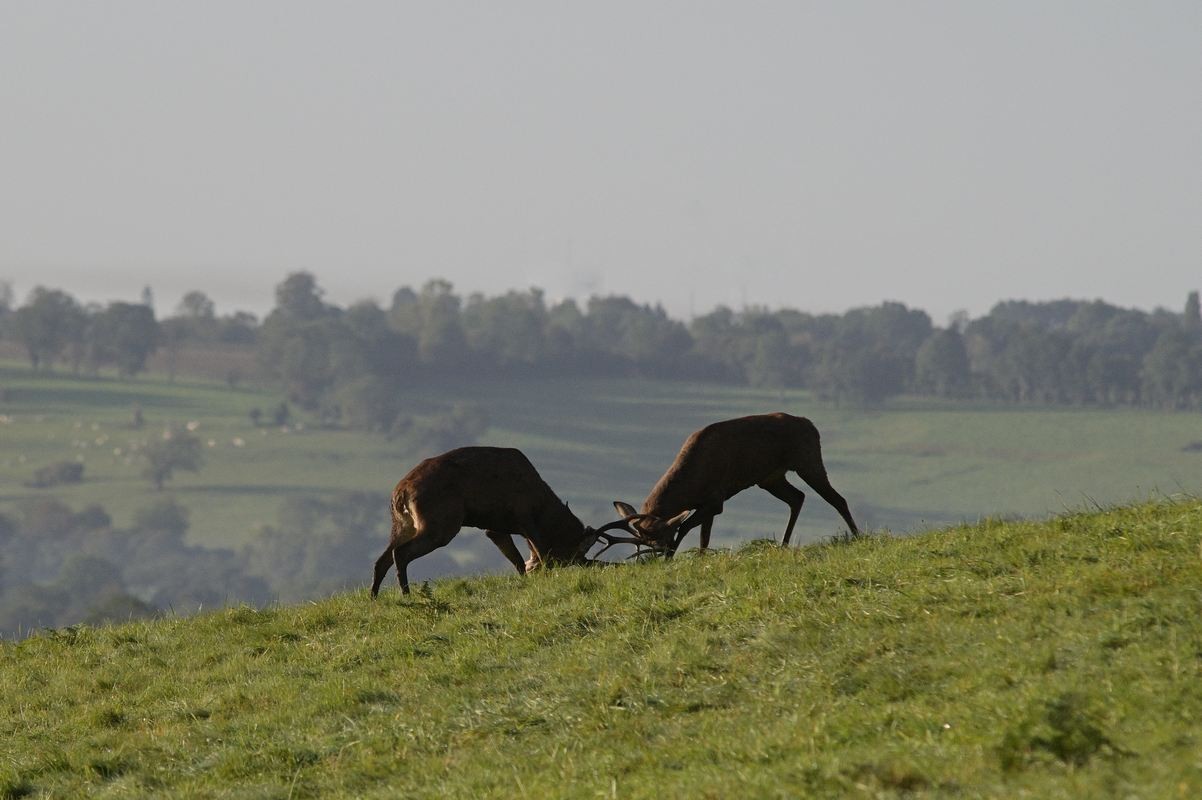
(1057, 658)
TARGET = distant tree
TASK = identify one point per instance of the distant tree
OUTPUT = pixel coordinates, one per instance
(148, 298)
(369, 404)
(1033, 363)
(56, 475)
(8, 529)
(46, 324)
(891, 329)
(1044, 316)
(299, 297)
(941, 364)
(771, 364)
(172, 335)
(958, 320)
(307, 343)
(87, 349)
(440, 341)
(127, 334)
(721, 339)
(92, 518)
(1193, 314)
(256, 416)
(404, 315)
(6, 306)
(319, 545)
(315, 355)
(91, 577)
(642, 336)
(1172, 371)
(161, 566)
(859, 376)
(507, 330)
(868, 354)
(1088, 318)
(165, 518)
(383, 351)
(241, 327)
(176, 449)
(564, 331)
(196, 305)
(1113, 376)
(195, 317)
(281, 414)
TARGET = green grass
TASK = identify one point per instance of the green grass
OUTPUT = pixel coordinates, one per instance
(906, 467)
(1005, 659)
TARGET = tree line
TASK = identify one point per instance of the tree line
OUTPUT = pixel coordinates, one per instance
(349, 360)
(346, 362)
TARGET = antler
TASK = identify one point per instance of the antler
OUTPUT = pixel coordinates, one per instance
(637, 539)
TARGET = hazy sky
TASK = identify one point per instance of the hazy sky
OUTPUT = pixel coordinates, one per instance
(814, 155)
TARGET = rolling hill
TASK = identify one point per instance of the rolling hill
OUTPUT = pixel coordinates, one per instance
(1060, 658)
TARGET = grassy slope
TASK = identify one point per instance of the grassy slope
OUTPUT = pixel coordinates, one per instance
(1052, 659)
(595, 441)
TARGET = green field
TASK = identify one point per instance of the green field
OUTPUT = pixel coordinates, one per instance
(1058, 659)
(902, 468)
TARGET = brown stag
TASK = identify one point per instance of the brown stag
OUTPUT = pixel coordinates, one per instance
(721, 460)
(495, 489)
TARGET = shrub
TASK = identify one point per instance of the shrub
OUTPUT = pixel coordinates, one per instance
(57, 474)
(176, 450)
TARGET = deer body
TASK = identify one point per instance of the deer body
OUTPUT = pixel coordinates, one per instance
(725, 458)
(495, 489)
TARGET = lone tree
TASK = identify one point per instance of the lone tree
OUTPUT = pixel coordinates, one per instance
(177, 449)
(127, 335)
(47, 324)
(1193, 313)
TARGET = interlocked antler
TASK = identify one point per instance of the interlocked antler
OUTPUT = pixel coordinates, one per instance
(638, 539)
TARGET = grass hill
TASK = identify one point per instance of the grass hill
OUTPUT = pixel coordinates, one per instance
(1051, 659)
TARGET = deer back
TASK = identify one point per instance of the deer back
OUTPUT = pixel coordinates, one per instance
(722, 459)
(492, 488)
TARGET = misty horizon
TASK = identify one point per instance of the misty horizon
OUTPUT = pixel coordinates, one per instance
(820, 157)
(167, 305)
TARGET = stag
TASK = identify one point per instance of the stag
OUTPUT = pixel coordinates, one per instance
(495, 489)
(721, 460)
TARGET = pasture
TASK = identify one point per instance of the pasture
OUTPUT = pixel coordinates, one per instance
(1055, 659)
(903, 468)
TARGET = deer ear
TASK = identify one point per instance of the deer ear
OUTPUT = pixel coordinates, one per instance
(625, 510)
(681, 518)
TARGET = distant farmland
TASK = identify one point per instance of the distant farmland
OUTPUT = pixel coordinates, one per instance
(904, 466)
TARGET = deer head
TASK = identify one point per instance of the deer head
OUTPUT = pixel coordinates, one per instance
(569, 548)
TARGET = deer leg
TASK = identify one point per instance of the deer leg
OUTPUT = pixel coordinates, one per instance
(410, 550)
(536, 560)
(428, 539)
(706, 526)
(821, 484)
(504, 543)
(705, 518)
(383, 564)
(780, 488)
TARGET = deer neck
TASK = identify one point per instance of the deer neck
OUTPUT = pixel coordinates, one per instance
(667, 500)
